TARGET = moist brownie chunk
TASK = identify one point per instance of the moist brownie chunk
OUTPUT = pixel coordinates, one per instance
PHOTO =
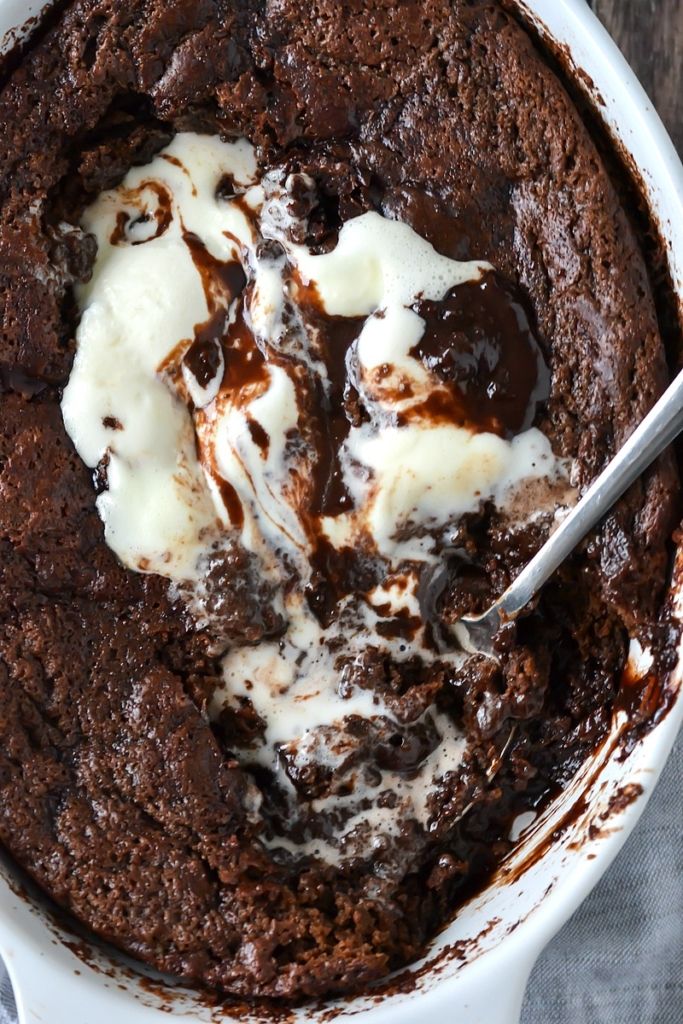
(123, 797)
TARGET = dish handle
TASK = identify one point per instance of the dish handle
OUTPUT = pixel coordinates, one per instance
(46, 993)
(496, 994)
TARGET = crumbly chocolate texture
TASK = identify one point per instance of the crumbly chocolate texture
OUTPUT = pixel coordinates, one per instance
(116, 793)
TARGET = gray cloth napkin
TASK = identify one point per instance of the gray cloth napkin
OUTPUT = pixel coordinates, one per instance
(620, 958)
(7, 1010)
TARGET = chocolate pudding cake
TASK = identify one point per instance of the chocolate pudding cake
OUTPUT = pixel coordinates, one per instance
(315, 322)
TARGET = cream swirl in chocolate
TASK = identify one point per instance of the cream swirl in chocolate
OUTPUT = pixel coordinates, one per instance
(310, 428)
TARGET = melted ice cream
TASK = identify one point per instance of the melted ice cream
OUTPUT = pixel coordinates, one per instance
(207, 337)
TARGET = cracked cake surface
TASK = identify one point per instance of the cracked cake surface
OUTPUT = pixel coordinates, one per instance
(142, 782)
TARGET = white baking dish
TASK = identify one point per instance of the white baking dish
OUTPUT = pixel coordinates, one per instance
(476, 971)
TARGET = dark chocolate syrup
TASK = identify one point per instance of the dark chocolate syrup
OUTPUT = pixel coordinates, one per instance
(181, 167)
(336, 335)
(223, 282)
(217, 341)
(203, 358)
(220, 278)
(259, 435)
(479, 342)
(118, 235)
(231, 500)
(112, 423)
(163, 215)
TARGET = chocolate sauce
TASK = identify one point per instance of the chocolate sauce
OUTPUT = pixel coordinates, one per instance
(118, 235)
(223, 282)
(173, 160)
(220, 278)
(244, 369)
(181, 167)
(112, 423)
(336, 336)
(479, 341)
(228, 190)
(163, 215)
(258, 435)
(217, 340)
(231, 500)
(203, 358)
(245, 364)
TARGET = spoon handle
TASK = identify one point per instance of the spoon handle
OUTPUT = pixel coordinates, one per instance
(656, 432)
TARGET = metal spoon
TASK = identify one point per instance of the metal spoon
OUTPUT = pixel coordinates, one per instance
(659, 428)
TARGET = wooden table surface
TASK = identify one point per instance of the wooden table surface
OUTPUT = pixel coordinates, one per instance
(650, 33)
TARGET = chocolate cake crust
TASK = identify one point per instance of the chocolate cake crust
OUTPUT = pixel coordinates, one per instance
(118, 794)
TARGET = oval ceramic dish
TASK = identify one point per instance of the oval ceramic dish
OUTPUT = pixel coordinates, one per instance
(476, 970)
